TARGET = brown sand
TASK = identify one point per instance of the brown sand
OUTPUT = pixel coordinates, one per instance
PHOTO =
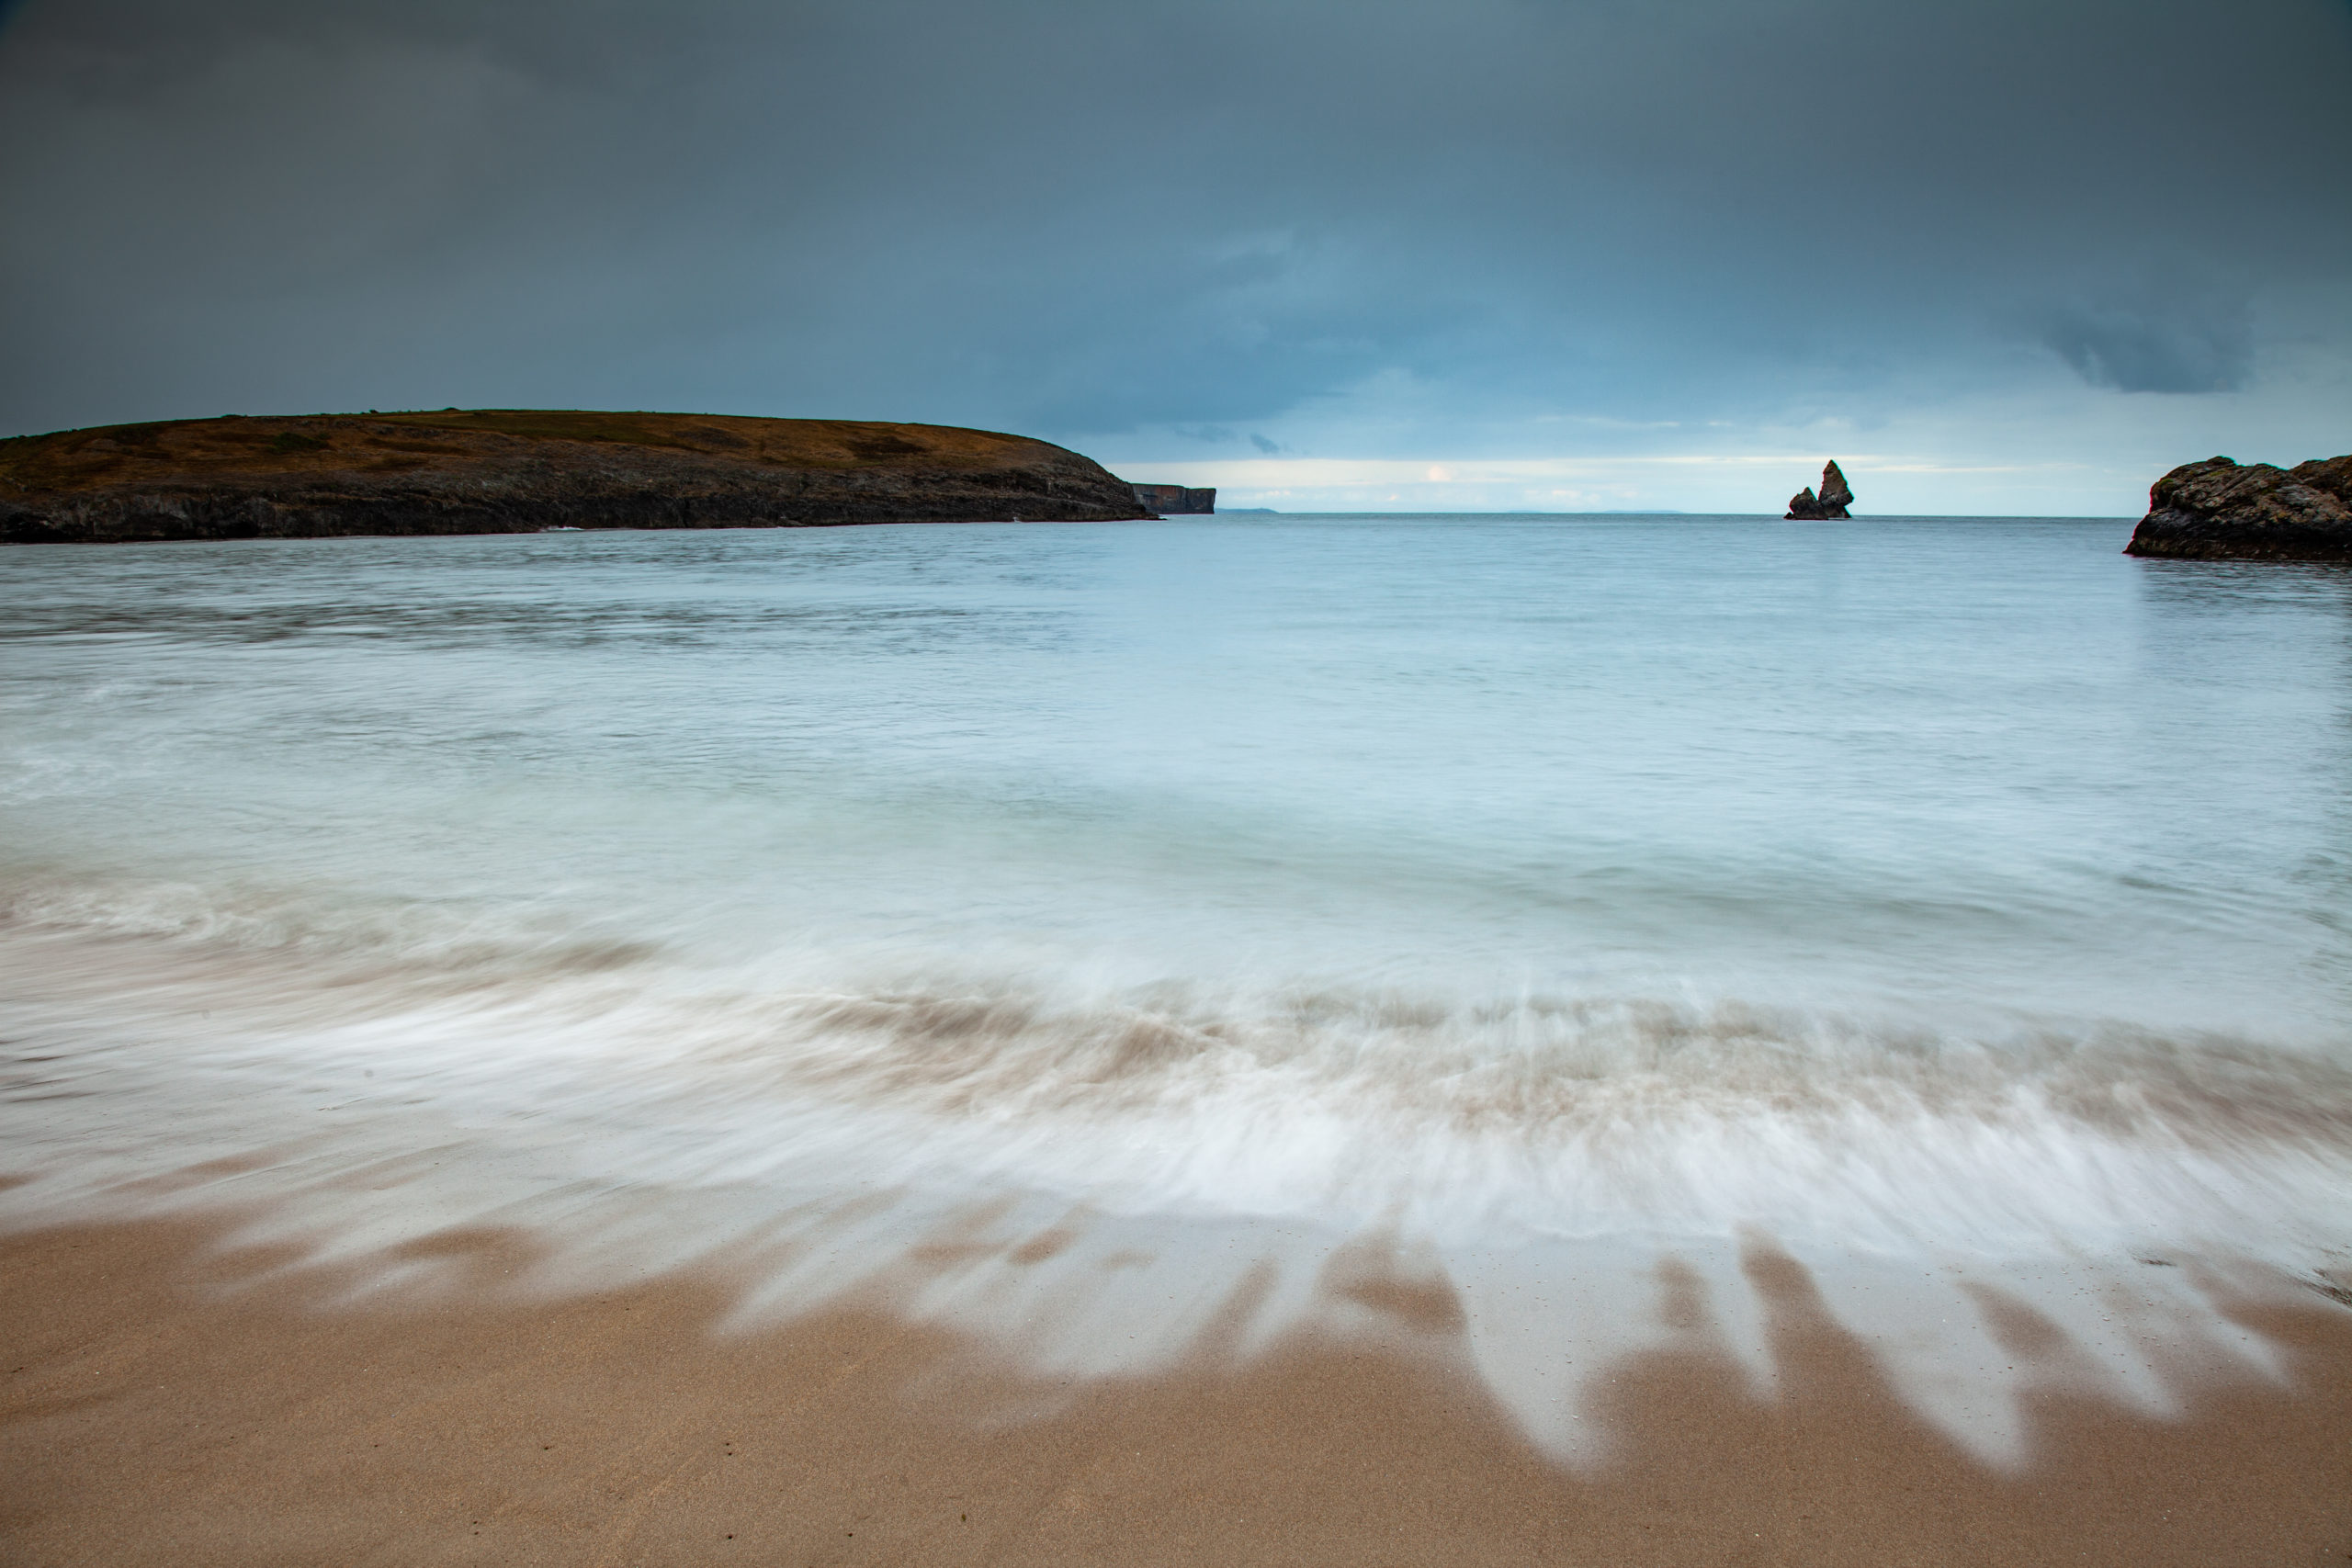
(164, 1403)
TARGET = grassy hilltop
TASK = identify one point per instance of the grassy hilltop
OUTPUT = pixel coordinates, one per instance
(507, 470)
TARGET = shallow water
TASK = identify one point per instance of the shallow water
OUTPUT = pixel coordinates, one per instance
(1900, 890)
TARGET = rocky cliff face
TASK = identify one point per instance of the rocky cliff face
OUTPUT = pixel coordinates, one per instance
(1832, 501)
(503, 471)
(2218, 510)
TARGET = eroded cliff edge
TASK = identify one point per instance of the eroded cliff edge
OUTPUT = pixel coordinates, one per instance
(507, 470)
(2220, 510)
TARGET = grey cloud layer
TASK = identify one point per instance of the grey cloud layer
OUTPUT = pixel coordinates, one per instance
(1076, 219)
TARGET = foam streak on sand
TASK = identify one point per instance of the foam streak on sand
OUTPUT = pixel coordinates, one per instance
(1103, 1203)
(262, 1417)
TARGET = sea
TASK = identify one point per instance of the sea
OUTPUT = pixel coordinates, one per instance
(1112, 938)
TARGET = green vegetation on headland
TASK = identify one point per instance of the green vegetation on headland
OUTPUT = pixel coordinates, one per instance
(2220, 510)
(518, 470)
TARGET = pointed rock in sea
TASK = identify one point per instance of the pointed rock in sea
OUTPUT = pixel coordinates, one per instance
(1835, 497)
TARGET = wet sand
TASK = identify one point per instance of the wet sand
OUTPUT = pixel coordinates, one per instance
(163, 1400)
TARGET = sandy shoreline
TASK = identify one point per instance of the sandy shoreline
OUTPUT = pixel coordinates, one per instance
(165, 1401)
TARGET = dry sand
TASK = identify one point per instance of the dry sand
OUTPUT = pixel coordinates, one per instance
(168, 1401)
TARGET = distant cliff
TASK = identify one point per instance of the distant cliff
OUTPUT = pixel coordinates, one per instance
(507, 470)
(1175, 500)
(2218, 510)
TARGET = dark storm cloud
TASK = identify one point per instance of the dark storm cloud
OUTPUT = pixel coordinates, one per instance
(1083, 217)
(2160, 344)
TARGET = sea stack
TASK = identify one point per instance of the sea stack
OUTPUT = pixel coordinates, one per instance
(521, 470)
(2220, 510)
(1832, 501)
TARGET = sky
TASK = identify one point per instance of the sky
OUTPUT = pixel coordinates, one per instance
(2014, 256)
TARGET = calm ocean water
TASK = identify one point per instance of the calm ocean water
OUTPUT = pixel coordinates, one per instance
(1896, 886)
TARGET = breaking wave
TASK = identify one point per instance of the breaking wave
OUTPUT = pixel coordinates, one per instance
(1525, 1114)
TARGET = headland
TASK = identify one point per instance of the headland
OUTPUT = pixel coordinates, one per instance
(519, 470)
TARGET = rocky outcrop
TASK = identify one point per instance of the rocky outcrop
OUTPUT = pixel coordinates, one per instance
(505, 471)
(2218, 510)
(1832, 501)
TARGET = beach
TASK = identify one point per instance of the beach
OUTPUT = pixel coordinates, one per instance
(1418, 1040)
(178, 1403)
